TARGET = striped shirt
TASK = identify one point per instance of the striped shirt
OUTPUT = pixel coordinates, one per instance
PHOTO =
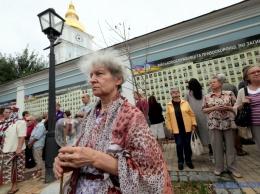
(255, 106)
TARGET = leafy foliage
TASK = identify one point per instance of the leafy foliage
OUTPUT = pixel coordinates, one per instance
(23, 64)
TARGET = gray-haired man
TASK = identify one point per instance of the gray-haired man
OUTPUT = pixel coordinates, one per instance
(85, 108)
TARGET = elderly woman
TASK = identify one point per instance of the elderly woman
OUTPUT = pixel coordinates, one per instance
(12, 146)
(252, 77)
(181, 120)
(116, 152)
(37, 141)
(218, 104)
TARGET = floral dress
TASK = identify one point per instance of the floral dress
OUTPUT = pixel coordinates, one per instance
(221, 120)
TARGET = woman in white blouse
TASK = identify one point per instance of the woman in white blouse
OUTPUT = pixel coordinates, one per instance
(12, 149)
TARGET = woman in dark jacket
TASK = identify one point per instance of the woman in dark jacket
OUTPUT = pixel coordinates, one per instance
(156, 118)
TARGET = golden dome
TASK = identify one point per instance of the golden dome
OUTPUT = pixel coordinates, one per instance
(72, 18)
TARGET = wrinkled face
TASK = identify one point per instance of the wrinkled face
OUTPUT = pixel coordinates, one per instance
(102, 82)
(175, 93)
(215, 84)
(253, 74)
(7, 113)
(85, 99)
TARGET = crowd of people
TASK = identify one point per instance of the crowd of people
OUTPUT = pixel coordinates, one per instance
(22, 142)
(120, 147)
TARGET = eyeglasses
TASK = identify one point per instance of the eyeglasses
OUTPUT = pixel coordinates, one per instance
(7, 112)
(254, 72)
(175, 91)
(82, 97)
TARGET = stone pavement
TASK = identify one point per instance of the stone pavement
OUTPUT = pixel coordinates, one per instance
(249, 167)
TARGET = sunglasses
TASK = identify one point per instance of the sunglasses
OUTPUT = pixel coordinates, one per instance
(28, 120)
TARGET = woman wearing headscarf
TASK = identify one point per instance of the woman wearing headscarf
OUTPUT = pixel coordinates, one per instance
(12, 146)
(116, 152)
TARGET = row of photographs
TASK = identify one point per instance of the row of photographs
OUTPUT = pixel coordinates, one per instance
(159, 83)
(69, 101)
(175, 72)
(211, 66)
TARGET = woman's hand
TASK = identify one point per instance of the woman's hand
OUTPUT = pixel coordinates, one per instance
(222, 108)
(194, 127)
(58, 170)
(247, 99)
(216, 108)
(29, 145)
(76, 157)
(225, 108)
(18, 151)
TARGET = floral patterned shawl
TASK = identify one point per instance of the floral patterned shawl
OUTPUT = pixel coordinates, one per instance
(124, 133)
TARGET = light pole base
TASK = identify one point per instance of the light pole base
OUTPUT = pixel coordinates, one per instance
(49, 175)
(51, 153)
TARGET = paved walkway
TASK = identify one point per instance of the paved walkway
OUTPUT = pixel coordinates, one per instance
(249, 167)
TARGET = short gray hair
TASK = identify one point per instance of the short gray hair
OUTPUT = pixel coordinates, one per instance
(222, 77)
(85, 94)
(217, 78)
(38, 118)
(174, 89)
(107, 58)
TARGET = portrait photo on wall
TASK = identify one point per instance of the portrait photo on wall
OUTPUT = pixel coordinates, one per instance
(249, 54)
(242, 56)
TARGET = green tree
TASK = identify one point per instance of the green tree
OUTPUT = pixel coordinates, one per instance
(7, 69)
(23, 64)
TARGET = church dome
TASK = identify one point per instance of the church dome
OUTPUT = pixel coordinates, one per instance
(72, 18)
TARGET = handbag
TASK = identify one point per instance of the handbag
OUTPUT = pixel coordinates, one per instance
(195, 144)
(244, 132)
(243, 117)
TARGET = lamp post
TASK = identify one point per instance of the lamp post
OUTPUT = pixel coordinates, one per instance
(52, 25)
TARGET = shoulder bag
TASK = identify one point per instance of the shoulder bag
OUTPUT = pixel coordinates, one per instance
(243, 120)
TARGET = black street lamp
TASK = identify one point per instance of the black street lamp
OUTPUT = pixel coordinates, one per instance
(52, 25)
